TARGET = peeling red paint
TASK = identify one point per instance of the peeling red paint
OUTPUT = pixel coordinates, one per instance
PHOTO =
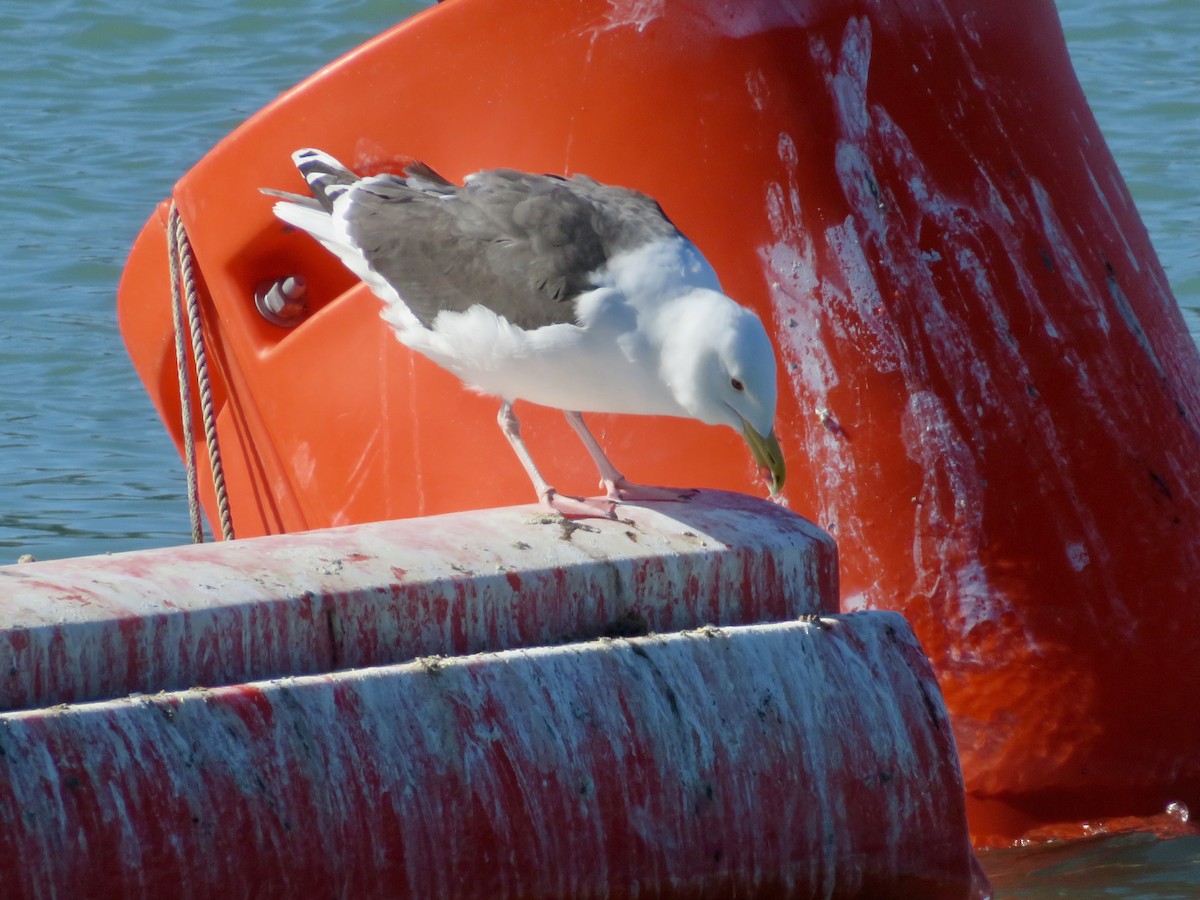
(716, 761)
(292, 604)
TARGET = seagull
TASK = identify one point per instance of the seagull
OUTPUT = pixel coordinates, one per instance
(559, 291)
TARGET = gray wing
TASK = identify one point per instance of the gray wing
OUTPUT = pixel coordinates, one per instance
(522, 245)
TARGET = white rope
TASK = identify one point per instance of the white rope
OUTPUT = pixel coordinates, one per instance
(185, 389)
(182, 275)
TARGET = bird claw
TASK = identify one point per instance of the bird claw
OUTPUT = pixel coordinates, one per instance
(578, 507)
(623, 491)
(616, 492)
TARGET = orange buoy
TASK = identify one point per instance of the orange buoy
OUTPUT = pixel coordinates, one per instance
(988, 394)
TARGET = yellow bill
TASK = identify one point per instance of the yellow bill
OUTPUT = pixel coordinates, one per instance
(767, 456)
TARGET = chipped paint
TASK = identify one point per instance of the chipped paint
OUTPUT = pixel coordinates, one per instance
(949, 301)
(90, 628)
(636, 14)
(797, 759)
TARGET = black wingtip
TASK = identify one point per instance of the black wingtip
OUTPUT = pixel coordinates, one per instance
(326, 177)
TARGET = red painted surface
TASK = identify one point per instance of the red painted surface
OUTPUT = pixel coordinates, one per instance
(790, 760)
(988, 396)
(210, 614)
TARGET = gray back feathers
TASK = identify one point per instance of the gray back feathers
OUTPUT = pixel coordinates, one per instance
(522, 245)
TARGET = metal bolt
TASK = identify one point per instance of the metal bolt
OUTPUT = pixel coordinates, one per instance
(282, 301)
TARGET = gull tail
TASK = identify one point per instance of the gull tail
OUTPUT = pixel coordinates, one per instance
(326, 220)
(328, 180)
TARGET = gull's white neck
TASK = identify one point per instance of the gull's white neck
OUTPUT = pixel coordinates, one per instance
(659, 271)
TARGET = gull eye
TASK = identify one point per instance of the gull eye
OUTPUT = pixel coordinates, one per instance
(736, 385)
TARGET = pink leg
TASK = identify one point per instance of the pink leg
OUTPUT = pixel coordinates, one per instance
(614, 483)
(569, 507)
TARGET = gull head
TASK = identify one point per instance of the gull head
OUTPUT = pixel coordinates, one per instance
(719, 363)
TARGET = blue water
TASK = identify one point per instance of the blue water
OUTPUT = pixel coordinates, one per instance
(1139, 64)
(1133, 866)
(107, 102)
